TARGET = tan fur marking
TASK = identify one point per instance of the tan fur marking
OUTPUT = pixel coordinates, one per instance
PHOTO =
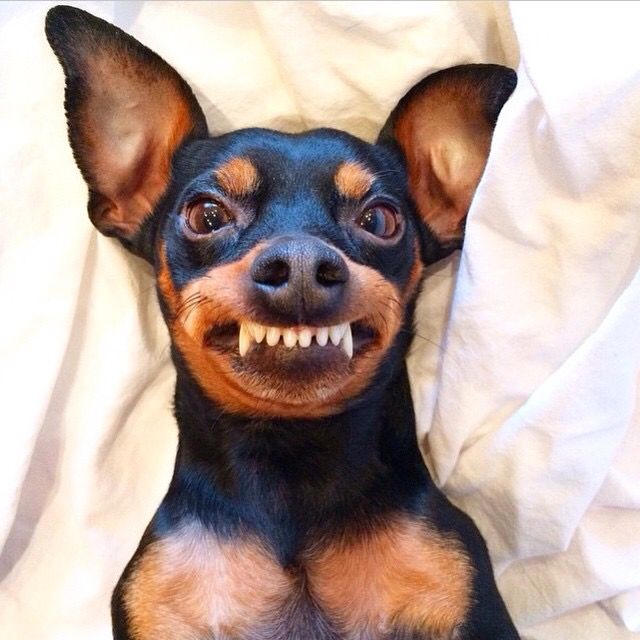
(353, 180)
(165, 284)
(415, 276)
(192, 585)
(238, 177)
(402, 575)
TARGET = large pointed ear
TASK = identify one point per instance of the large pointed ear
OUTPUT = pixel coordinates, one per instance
(443, 127)
(127, 110)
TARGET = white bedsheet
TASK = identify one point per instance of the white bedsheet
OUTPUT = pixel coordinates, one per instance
(525, 374)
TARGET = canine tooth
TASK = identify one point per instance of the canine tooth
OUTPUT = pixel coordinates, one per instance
(290, 338)
(336, 332)
(244, 339)
(304, 337)
(273, 336)
(322, 336)
(258, 332)
(347, 342)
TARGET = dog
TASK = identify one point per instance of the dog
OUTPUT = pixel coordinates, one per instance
(287, 268)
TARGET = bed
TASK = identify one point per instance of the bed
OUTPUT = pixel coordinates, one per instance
(525, 367)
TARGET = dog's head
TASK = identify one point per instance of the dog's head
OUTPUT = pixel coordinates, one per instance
(286, 264)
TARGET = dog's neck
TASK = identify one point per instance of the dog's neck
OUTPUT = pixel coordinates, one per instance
(286, 479)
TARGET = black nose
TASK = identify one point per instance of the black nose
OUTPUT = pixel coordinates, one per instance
(299, 279)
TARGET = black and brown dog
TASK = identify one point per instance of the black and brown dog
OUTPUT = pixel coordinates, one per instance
(287, 271)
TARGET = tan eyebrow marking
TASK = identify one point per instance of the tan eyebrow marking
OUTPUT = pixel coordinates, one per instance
(353, 180)
(237, 177)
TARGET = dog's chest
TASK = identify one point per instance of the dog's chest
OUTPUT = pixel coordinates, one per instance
(400, 582)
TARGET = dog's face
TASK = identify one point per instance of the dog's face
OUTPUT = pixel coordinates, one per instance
(286, 264)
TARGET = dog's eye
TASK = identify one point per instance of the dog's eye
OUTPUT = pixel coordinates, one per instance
(380, 220)
(206, 215)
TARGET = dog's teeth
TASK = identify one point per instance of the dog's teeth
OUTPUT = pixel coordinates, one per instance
(347, 342)
(322, 336)
(340, 335)
(290, 338)
(304, 337)
(273, 336)
(336, 332)
(244, 339)
(258, 332)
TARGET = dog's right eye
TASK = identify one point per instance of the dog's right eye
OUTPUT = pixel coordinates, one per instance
(206, 215)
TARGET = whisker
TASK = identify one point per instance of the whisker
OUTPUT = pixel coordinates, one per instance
(201, 303)
(189, 307)
(187, 301)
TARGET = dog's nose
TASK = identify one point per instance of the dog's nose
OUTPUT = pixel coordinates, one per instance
(299, 279)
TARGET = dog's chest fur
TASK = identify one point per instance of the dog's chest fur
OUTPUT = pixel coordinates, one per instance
(402, 581)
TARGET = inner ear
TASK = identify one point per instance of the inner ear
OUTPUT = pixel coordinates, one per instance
(444, 127)
(127, 110)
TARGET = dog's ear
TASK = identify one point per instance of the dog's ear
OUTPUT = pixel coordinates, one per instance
(443, 127)
(127, 110)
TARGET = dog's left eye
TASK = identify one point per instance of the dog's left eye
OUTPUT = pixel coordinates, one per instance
(205, 215)
(380, 220)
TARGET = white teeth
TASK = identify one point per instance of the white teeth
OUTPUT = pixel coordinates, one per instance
(339, 334)
(322, 336)
(290, 338)
(347, 341)
(273, 335)
(304, 337)
(336, 332)
(258, 331)
(244, 339)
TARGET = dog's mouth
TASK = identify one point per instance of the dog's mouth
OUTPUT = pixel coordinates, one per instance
(295, 366)
(283, 371)
(252, 343)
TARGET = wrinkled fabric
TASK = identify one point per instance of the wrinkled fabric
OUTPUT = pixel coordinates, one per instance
(525, 365)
